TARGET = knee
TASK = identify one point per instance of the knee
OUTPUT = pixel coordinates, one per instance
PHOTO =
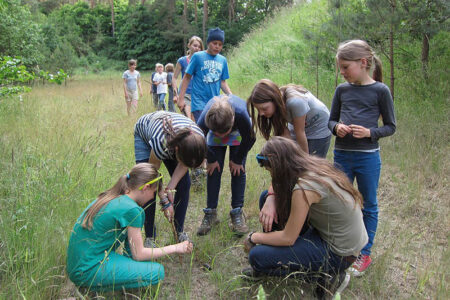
(156, 274)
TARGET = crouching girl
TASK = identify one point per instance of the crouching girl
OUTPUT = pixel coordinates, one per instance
(115, 218)
(319, 230)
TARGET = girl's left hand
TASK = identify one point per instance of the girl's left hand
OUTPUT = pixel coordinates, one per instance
(360, 132)
(170, 193)
(236, 169)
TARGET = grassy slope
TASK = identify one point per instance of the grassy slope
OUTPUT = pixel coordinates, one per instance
(63, 145)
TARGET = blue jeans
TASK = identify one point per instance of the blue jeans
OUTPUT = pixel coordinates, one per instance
(366, 167)
(237, 182)
(181, 201)
(161, 103)
(309, 254)
(197, 114)
(319, 147)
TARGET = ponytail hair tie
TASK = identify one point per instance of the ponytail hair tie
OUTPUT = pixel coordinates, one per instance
(128, 176)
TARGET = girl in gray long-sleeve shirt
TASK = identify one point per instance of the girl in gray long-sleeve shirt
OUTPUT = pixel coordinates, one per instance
(355, 110)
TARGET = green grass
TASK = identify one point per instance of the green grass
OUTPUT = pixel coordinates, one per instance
(62, 145)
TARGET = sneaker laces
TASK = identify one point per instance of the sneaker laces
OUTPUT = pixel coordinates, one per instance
(358, 262)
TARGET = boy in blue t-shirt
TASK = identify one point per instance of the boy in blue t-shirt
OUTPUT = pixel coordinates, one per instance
(210, 72)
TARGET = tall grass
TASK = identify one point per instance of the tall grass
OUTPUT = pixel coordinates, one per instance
(61, 146)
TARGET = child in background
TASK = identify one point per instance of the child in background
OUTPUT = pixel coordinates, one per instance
(113, 219)
(195, 44)
(320, 229)
(291, 111)
(131, 84)
(160, 80)
(227, 124)
(171, 86)
(355, 110)
(179, 143)
(154, 90)
(208, 71)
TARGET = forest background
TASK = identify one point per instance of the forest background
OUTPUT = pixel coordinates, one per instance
(59, 144)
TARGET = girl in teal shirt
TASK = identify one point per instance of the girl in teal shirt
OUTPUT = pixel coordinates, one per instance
(115, 218)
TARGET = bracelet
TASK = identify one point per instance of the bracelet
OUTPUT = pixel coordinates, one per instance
(270, 194)
(167, 205)
(249, 238)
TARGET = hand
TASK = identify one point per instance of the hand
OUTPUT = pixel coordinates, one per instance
(184, 247)
(126, 95)
(360, 132)
(212, 166)
(236, 169)
(342, 130)
(175, 99)
(170, 193)
(180, 103)
(169, 213)
(268, 214)
(248, 245)
(141, 94)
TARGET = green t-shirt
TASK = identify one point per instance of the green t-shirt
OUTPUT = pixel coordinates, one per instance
(88, 248)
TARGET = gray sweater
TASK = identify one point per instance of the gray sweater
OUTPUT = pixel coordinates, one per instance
(362, 105)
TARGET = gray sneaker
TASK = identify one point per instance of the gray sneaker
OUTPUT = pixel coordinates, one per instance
(150, 243)
(209, 220)
(238, 221)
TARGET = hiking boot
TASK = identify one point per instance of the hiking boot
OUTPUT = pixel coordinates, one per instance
(238, 221)
(333, 287)
(150, 243)
(209, 220)
(182, 236)
(360, 265)
(250, 274)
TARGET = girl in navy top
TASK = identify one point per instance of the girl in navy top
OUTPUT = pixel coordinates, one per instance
(226, 121)
(357, 105)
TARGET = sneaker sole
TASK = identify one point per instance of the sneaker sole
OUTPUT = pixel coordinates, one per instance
(355, 272)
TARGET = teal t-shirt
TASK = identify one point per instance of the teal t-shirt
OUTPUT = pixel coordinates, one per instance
(88, 248)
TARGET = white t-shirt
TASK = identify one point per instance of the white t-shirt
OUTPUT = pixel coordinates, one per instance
(161, 88)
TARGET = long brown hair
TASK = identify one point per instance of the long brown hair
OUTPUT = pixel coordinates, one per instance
(288, 163)
(264, 91)
(138, 175)
(193, 39)
(220, 117)
(191, 145)
(354, 50)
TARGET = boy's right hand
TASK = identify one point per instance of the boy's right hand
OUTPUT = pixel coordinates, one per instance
(212, 166)
(184, 247)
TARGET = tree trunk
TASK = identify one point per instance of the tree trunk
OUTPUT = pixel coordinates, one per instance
(195, 12)
(92, 2)
(230, 12)
(111, 2)
(131, 2)
(425, 54)
(184, 25)
(391, 48)
(142, 2)
(205, 18)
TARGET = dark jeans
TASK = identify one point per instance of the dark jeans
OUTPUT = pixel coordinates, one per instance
(319, 147)
(197, 114)
(237, 182)
(181, 201)
(310, 256)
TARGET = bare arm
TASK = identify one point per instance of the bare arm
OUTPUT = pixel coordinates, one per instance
(225, 88)
(140, 253)
(299, 128)
(125, 87)
(268, 213)
(297, 217)
(179, 172)
(139, 86)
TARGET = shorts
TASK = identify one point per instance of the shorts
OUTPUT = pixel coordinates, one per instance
(132, 95)
(141, 149)
(187, 99)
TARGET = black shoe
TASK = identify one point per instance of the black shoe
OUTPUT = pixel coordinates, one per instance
(250, 274)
